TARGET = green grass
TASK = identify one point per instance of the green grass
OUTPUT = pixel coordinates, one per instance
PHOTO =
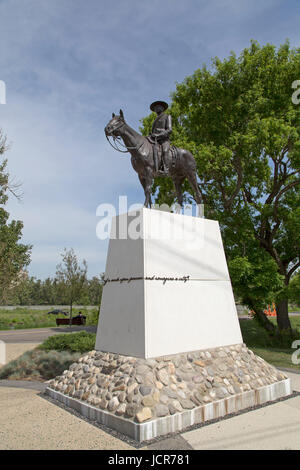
(294, 308)
(277, 357)
(276, 351)
(24, 317)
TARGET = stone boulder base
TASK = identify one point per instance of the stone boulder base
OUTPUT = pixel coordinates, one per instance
(146, 398)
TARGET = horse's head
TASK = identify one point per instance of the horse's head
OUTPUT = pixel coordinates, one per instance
(114, 125)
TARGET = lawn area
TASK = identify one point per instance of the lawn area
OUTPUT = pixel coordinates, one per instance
(276, 352)
(24, 317)
(294, 308)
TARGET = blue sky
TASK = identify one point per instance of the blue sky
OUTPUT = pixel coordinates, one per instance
(68, 64)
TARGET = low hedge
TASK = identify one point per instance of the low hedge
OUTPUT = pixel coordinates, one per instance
(74, 342)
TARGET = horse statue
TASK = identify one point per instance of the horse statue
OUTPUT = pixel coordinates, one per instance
(182, 166)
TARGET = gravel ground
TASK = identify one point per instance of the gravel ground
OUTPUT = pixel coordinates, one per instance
(28, 421)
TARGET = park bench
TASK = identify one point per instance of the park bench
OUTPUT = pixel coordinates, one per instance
(75, 321)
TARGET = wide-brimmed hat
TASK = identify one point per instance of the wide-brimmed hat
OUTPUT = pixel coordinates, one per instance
(161, 103)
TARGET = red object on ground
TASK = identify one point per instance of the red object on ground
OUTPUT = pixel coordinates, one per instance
(269, 312)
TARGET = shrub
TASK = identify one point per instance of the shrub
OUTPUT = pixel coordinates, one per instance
(38, 365)
(76, 342)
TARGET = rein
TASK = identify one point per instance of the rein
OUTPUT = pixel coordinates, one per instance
(117, 141)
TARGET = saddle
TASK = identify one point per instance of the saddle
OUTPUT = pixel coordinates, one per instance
(173, 153)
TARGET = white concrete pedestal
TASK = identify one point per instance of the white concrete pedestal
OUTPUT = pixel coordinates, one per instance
(149, 317)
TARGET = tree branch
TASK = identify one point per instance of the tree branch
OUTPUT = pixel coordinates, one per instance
(286, 188)
(293, 269)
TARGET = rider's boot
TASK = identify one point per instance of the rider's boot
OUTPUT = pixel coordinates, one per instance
(166, 166)
(155, 157)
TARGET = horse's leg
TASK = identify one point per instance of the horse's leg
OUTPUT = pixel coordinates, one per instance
(177, 183)
(143, 183)
(148, 188)
(147, 181)
(192, 178)
(146, 178)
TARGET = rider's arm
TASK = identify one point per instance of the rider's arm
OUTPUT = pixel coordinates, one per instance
(169, 125)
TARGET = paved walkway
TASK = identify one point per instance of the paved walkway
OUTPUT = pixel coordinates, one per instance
(38, 335)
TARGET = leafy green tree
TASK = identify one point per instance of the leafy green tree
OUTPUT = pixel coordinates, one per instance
(294, 289)
(14, 256)
(71, 276)
(28, 290)
(22, 291)
(95, 286)
(238, 119)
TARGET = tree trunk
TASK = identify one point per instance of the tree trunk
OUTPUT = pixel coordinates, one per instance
(283, 320)
(70, 324)
(263, 320)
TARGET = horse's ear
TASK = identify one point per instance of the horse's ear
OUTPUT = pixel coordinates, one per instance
(121, 114)
(113, 115)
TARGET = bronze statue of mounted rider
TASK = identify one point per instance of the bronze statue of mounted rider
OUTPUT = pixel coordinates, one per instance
(161, 131)
(153, 156)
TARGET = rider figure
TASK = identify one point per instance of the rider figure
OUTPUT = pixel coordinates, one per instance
(161, 130)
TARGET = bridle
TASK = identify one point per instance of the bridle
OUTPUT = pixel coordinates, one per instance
(117, 140)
